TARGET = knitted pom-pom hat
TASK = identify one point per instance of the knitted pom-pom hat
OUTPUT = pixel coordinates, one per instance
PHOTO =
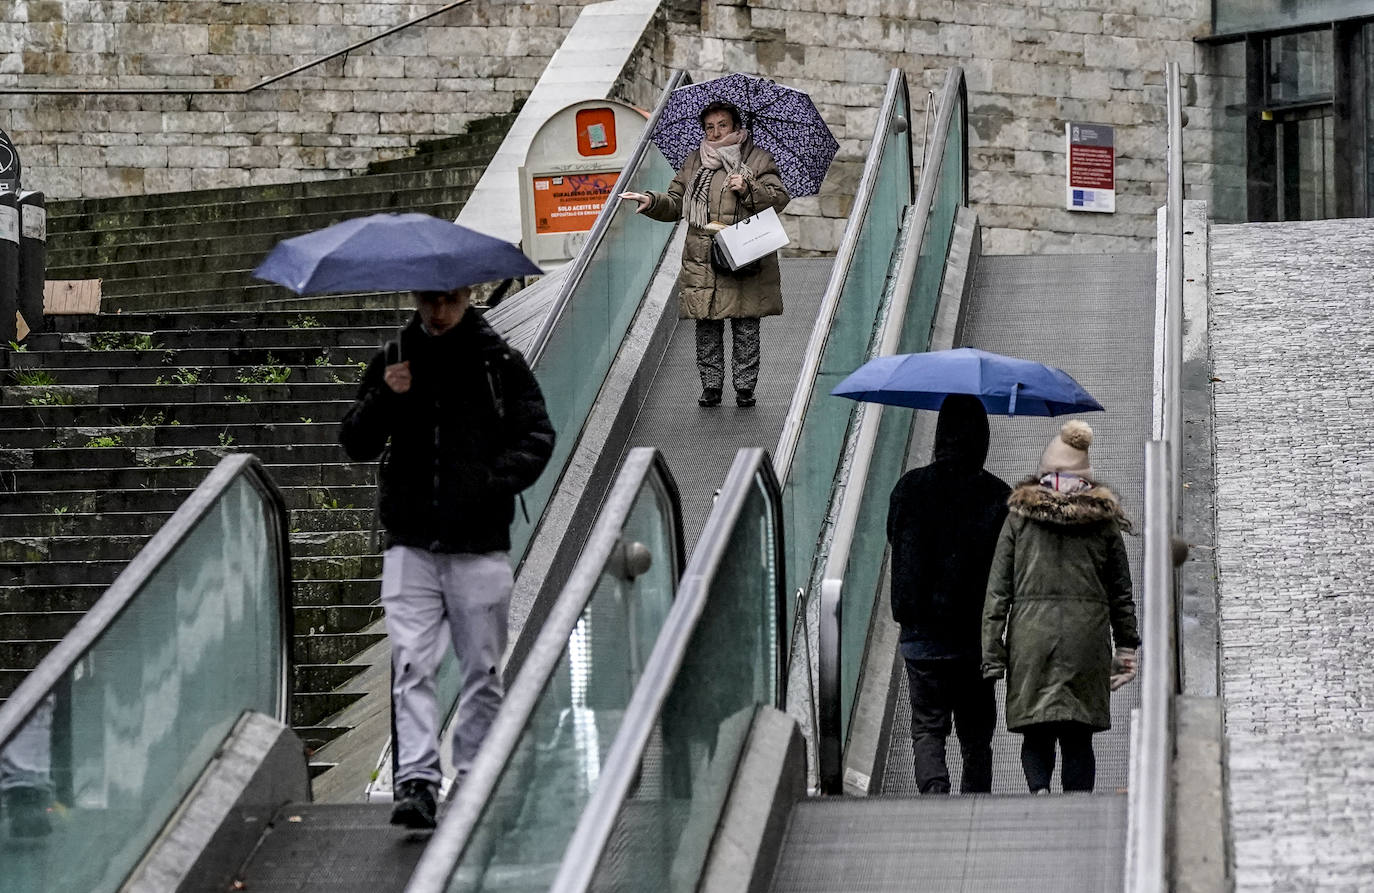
(1068, 451)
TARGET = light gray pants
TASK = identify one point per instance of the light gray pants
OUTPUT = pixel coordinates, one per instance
(425, 593)
(26, 761)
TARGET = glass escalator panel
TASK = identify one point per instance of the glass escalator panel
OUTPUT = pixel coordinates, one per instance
(520, 836)
(90, 776)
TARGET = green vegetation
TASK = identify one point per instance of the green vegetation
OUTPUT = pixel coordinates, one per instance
(226, 439)
(322, 359)
(148, 420)
(123, 341)
(270, 372)
(32, 378)
(19, 348)
(50, 398)
(106, 440)
(185, 460)
(61, 510)
(306, 419)
(304, 322)
(185, 375)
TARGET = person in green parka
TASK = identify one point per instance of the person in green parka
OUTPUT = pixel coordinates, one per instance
(1058, 598)
(727, 179)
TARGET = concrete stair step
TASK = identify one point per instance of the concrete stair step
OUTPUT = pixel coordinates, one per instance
(37, 624)
(56, 573)
(333, 649)
(78, 597)
(323, 677)
(335, 567)
(246, 297)
(133, 395)
(311, 708)
(223, 241)
(277, 226)
(246, 435)
(222, 413)
(314, 619)
(362, 591)
(118, 456)
(34, 549)
(70, 524)
(68, 213)
(24, 654)
(226, 319)
(169, 498)
(168, 360)
(31, 480)
(315, 737)
(223, 338)
(118, 376)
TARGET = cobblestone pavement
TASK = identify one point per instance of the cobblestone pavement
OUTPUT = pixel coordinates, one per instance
(1292, 331)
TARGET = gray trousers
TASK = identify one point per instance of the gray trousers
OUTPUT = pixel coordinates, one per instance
(744, 352)
(26, 760)
(426, 594)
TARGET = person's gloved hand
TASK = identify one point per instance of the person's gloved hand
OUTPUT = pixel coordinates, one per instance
(1123, 667)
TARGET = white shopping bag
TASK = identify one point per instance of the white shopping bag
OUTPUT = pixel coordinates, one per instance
(752, 238)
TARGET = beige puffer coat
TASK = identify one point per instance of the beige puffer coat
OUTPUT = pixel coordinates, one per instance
(703, 293)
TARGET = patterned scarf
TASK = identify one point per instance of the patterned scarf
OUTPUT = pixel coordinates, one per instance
(1063, 482)
(724, 154)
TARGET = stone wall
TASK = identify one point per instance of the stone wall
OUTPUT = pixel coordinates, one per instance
(1030, 67)
(427, 81)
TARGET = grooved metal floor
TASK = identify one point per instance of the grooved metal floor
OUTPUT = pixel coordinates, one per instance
(701, 443)
(333, 848)
(955, 844)
(1092, 316)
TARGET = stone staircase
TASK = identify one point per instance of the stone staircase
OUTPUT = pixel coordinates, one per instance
(107, 423)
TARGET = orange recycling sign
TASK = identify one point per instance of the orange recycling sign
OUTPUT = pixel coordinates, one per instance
(570, 203)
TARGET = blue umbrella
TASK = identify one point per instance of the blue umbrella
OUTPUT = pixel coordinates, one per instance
(1005, 384)
(782, 120)
(392, 252)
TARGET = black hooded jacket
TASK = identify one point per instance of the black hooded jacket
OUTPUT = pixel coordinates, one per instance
(942, 522)
(470, 434)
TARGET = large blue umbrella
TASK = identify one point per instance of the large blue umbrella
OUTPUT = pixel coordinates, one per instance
(1004, 384)
(782, 120)
(392, 252)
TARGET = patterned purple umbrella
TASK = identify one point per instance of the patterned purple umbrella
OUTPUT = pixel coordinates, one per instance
(782, 120)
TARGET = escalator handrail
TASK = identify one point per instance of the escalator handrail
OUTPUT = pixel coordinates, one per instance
(61, 661)
(1149, 806)
(450, 839)
(598, 231)
(622, 764)
(839, 274)
(953, 98)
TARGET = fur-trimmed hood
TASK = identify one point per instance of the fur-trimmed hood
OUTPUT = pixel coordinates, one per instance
(1092, 506)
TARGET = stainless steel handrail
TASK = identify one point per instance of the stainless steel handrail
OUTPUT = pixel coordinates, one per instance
(603, 220)
(228, 91)
(588, 843)
(839, 274)
(450, 840)
(1150, 805)
(831, 751)
(126, 587)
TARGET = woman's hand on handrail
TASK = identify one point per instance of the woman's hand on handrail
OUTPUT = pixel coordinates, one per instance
(643, 200)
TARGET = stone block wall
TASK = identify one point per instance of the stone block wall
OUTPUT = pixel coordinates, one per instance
(425, 82)
(1030, 68)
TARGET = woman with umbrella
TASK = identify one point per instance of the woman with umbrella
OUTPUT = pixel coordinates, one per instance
(728, 178)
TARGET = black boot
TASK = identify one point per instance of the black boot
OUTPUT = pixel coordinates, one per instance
(709, 397)
(415, 804)
(744, 397)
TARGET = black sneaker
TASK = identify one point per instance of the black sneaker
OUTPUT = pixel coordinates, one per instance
(744, 397)
(709, 397)
(415, 804)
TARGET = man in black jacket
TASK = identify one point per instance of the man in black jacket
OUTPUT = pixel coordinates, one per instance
(468, 431)
(943, 521)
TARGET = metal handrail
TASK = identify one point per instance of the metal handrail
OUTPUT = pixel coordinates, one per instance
(603, 221)
(839, 274)
(1173, 273)
(585, 849)
(1150, 803)
(228, 91)
(450, 840)
(953, 97)
(124, 590)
